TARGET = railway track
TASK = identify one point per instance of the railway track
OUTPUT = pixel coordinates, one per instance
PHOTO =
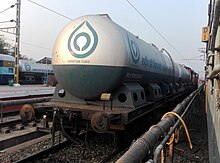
(32, 149)
(114, 155)
(45, 152)
(32, 144)
(10, 121)
(15, 135)
(48, 155)
(98, 149)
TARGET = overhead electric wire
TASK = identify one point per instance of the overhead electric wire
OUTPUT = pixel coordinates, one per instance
(36, 46)
(153, 27)
(32, 45)
(49, 9)
(193, 57)
(7, 9)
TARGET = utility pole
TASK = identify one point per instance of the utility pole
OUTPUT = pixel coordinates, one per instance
(17, 41)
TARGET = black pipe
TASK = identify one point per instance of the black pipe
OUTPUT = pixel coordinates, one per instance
(75, 141)
(163, 142)
(147, 141)
(64, 132)
(23, 101)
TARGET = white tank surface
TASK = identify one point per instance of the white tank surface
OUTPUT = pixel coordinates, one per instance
(93, 55)
(31, 66)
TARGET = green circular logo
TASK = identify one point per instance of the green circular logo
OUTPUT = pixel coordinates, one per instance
(83, 40)
(27, 66)
(134, 49)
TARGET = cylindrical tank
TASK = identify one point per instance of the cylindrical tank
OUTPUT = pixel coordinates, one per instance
(93, 55)
(31, 66)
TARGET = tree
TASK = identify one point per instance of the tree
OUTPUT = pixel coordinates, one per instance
(5, 48)
(8, 49)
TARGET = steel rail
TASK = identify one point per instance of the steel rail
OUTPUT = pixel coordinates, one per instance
(21, 102)
(24, 101)
(45, 152)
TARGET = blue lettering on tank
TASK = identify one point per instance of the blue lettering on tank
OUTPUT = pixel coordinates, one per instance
(151, 64)
(134, 49)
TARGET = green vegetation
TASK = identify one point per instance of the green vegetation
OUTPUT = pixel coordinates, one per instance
(5, 48)
(8, 49)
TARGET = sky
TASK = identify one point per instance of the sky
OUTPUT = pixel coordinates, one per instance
(178, 21)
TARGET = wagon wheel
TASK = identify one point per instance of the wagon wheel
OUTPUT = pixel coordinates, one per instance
(27, 113)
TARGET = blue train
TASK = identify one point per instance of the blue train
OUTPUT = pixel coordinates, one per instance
(6, 68)
(30, 72)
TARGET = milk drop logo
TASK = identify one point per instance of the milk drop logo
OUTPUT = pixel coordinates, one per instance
(134, 49)
(27, 66)
(83, 40)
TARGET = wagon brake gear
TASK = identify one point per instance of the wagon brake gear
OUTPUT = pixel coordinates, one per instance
(73, 117)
